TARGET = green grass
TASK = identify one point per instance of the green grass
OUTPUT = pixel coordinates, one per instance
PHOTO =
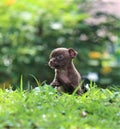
(44, 108)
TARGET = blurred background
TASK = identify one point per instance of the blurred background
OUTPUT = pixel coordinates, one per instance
(30, 29)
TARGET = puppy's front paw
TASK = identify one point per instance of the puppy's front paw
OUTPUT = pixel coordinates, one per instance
(55, 83)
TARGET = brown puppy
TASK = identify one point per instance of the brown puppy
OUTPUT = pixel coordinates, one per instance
(66, 76)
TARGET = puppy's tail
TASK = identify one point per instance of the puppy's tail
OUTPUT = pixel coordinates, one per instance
(85, 86)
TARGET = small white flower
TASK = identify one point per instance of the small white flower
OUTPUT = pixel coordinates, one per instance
(56, 25)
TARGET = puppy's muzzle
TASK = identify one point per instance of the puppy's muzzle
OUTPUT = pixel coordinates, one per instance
(51, 63)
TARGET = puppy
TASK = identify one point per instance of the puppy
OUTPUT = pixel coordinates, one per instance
(67, 78)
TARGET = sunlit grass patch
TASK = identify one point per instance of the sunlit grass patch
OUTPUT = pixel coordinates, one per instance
(45, 108)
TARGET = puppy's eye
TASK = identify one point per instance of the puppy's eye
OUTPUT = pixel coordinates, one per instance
(60, 57)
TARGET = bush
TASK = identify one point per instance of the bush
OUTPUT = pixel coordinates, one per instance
(31, 29)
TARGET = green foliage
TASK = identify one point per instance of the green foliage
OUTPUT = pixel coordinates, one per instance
(43, 107)
(30, 29)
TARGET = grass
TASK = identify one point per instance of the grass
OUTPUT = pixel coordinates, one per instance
(44, 108)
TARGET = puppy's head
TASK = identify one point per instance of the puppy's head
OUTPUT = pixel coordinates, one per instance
(61, 57)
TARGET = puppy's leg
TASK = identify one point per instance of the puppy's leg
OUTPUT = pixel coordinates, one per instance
(55, 83)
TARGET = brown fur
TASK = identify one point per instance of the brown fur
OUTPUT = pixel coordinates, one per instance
(66, 76)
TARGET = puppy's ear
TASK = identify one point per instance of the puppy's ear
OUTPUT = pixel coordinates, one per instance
(72, 52)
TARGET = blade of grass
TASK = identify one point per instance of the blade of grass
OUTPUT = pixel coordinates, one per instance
(21, 83)
(78, 87)
(35, 79)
